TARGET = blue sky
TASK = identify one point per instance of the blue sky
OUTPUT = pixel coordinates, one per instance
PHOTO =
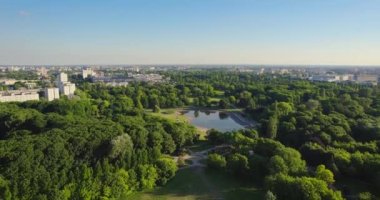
(190, 32)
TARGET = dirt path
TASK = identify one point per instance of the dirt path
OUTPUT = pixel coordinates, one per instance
(196, 157)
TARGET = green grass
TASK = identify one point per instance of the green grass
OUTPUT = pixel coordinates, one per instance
(191, 100)
(196, 183)
(174, 115)
(200, 146)
(170, 113)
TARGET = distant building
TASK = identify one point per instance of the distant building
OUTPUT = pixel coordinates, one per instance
(346, 77)
(153, 78)
(325, 78)
(117, 81)
(68, 89)
(367, 79)
(19, 95)
(30, 85)
(52, 93)
(114, 84)
(62, 77)
(284, 71)
(87, 73)
(65, 87)
(8, 81)
(42, 71)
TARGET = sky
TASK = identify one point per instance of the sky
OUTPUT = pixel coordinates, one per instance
(308, 32)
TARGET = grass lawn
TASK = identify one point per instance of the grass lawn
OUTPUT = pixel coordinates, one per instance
(169, 113)
(174, 115)
(200, 146)
(197, 183)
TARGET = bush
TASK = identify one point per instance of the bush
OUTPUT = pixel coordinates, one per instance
(365, 196)
(166, 168)
(216, 161)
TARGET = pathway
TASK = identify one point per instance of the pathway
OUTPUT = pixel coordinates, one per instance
(196, 157)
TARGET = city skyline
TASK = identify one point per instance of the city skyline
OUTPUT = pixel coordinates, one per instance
(288, 32)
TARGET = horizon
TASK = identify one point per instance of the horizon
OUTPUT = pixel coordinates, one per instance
(209, 32)
(195, 65)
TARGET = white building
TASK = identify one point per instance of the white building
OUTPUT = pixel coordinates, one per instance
(19, 95)
(114, 84)
(65, 87)
(68, 89)
(52, 93)
(87, 73)
(62, 77)
(345, 77)
(325, 78)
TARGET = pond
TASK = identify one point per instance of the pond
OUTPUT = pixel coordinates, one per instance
(221, 121)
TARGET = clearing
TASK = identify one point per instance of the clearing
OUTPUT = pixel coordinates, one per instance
(199, 183)
(195, 182)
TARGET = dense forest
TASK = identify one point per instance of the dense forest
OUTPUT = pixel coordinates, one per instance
(67, 149)
(104, 145)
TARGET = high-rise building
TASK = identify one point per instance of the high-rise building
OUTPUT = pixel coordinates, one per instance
(87, 73)
(62, 77)
(65, 87)
(68, 89)
(52, 93)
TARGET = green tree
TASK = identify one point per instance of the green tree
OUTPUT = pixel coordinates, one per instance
(120, 146)
(365, 196)
(277, 165)
(5, 193)
(237, 163)
(216, 161)
(271, 131)
(166, 169)
(120, 184)
(324, 174)
(147, 176)
(270, 196)
(156, 109)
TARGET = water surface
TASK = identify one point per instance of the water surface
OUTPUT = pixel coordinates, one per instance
(221, 121)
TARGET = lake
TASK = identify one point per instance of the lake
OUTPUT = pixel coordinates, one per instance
(221, 121)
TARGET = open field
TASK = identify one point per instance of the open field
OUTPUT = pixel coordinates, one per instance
(198, 183)
(170, 113)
